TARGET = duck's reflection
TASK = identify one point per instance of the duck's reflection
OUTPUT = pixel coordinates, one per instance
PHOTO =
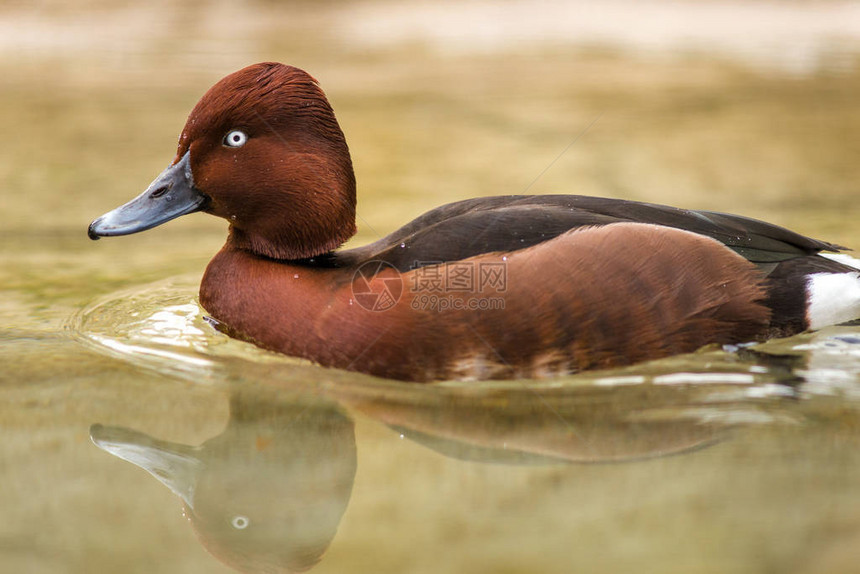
(579, 424)
(265, 495)
(269, 492)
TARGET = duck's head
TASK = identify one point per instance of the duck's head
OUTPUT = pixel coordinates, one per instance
(263, 150)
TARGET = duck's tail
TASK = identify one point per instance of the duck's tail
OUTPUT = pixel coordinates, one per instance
(813, 291)
(833, 297)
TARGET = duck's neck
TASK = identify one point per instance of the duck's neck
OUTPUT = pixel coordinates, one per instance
(249, 294)
(287, 250)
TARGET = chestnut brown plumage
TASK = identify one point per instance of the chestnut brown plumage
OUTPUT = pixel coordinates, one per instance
(594, 297)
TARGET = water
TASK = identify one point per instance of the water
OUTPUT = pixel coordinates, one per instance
(138, 438)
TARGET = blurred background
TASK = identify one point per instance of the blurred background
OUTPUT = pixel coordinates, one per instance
(747, 107)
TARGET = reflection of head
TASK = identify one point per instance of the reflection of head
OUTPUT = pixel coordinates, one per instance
(275, 494)
(267, 494)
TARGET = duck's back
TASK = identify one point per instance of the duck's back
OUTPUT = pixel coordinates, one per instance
(511, 222)
(470, 228)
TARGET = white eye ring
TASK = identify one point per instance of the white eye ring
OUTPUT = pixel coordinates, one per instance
(240, 522)
(235, 138)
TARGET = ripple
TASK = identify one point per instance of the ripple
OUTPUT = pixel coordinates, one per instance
(161, 326)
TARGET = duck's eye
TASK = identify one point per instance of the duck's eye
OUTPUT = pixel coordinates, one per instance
(235, 138)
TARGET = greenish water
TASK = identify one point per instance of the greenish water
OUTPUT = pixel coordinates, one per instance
(718, 461)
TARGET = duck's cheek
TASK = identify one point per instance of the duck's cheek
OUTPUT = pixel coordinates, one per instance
(222, 204)
(226, 193)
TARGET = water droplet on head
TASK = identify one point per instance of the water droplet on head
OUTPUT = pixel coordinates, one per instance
(232, 218)
(296, 276)
(402, 245)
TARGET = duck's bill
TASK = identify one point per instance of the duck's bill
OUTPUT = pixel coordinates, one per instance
(171, 195)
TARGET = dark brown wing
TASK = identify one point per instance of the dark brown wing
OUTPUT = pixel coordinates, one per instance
(508, 223)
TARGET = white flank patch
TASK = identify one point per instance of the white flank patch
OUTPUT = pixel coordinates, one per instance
(833, 298)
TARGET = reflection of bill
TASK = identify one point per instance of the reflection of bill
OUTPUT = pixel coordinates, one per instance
(267, 494)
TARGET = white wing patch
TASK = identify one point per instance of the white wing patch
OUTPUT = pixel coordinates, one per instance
(833, 298)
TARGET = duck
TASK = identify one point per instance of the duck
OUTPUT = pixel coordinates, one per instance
(500, 287)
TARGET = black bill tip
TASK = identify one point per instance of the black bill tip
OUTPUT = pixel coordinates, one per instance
(92, 230)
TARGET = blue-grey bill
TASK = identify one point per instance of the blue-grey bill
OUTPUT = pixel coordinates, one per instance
(171, 195)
